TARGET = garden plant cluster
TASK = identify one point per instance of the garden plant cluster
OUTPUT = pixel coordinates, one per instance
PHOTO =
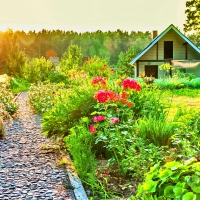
(95, 113)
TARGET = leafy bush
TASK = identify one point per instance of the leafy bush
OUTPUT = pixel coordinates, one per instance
(43, 96)
(156, 130)
(71, 58)
(97, 66)
(177, 82)
(55, 77)
(174, 180)
(7, 98)
(80, 144)
(73, 104)
(37, 70)
(18, 85)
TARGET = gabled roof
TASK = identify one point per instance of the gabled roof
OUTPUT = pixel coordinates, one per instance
(156, 39)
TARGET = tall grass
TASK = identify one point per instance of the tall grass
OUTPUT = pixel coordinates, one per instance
(156, 130)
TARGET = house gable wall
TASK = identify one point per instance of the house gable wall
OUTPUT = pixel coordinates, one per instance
(179, 52)
(178, 48)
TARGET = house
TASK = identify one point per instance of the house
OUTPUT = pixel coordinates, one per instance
(172, 47)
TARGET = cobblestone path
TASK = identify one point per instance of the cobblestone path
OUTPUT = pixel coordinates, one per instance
(26, 172)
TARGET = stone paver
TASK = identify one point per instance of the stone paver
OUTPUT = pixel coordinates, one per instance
(26, 172)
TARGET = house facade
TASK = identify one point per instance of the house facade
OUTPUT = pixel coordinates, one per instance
(172, 47)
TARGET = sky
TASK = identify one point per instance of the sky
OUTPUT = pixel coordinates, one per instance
(91, 15)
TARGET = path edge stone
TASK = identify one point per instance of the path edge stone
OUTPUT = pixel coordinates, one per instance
(79, 190)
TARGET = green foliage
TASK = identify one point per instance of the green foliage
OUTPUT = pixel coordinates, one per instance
(18, 85)
(177, 83)
(44, 96)
(80, 144)
(69, 107)
(195, 38)
(167, 68)
(174, 180)
(102, 44)
(186, 135)
(96, 66)
(193, 15)
(195, 122)
(156, 130)
(71, 59)
(123, 64)
(56, 77)
(12, 58)
(7, 98)
(37, 70)
(132, 131)
(139, 157)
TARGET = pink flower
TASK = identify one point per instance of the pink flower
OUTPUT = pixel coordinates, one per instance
(101, 96)
(100, 80)
(98, 118)
(132, 84)
(126, 83)
(114, 120)
(92, 129)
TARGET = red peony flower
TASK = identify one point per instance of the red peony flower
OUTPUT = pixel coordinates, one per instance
(124, 95)
(92, 129)
(114, 120)
(100, 80)
(98, 118)
(138, 88)
(132, 84)
(129, 104)
(113, 96)
(126, 83)
(101, 96)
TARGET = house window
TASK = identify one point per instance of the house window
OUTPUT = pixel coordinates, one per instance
(168, 49)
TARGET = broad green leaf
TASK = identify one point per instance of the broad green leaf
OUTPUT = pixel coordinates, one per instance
(150, 186)
(178, 191)
(195, 179)
(173, 165)
(181, 184)
(165, 173)
(175, 176)
(168, 192)
(195, 187)
(94, 113)
(198, 197)
(197, 166)
(189, 196)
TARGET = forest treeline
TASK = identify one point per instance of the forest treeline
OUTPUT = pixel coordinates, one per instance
(103, 44)
(118, 47)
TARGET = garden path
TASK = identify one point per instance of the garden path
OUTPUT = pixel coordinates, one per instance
(27, 172)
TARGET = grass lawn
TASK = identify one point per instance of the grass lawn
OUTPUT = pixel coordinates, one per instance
(182, 98)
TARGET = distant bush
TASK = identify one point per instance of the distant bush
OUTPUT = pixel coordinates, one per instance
(18, 85)
(37, 70)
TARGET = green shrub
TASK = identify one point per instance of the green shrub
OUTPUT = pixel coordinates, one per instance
(97, 66)
(18, 85)
(7, 98)
(69, 107)
(174, 180)
(55, 77)
(80, 145)
(37, 70)
(156, 130)
(43, 96)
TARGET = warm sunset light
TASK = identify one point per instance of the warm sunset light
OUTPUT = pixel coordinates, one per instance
(91, 15)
